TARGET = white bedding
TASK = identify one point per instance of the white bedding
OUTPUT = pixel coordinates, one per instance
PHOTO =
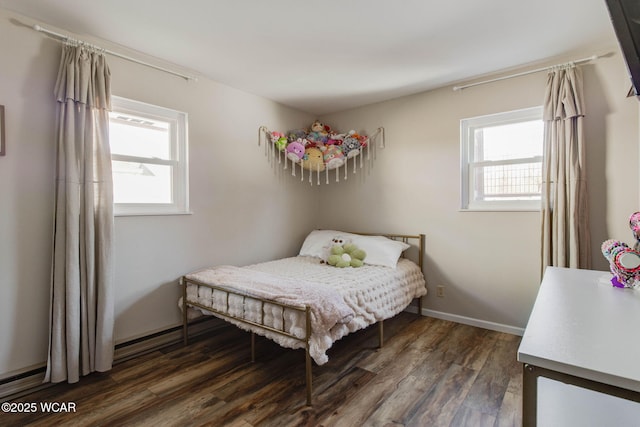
(373, 293)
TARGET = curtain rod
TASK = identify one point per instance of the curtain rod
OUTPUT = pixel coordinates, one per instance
(524, 73)
(66, 38)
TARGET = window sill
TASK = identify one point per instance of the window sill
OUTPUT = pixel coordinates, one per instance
(151, 214)
(495, 209)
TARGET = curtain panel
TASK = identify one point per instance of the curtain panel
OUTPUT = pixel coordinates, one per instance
(81, 313)
(565, 217)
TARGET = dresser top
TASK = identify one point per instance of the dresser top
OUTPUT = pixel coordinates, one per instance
(583, 326)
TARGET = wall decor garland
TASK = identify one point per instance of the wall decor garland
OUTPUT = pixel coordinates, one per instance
(319, 150)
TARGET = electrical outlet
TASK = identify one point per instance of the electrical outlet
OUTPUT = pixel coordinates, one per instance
(440, 291)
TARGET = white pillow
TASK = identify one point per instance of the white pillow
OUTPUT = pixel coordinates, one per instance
(319, 242)
(380, 250)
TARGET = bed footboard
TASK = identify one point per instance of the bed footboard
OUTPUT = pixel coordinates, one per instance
(254, 324)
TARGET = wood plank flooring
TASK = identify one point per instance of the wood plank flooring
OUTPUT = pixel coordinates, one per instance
(430, 372)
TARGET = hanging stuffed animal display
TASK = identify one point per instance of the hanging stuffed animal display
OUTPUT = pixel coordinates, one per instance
(319, 148)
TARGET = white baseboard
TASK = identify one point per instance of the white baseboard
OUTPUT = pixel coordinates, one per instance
(492, 326)
(31, 379)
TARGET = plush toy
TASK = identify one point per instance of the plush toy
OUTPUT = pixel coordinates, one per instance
(347, 255)
(295, 151)
(279, 140)
(624, 262)
(319, 149)
(318, 126)
(339, 241)
(296, 134)
(335, 139)
(319, 133)
(312, 159)
(364, 140)
(634, 224)
(335, 241)
(333, 157)
(351, 144)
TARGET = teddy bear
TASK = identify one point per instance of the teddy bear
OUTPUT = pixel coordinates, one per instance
(347, 255)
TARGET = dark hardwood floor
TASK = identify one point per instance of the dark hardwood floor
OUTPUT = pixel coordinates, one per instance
(430, 372)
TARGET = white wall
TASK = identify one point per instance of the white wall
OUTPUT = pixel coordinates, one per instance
(488, 262)
(243, 210)
(26, 199)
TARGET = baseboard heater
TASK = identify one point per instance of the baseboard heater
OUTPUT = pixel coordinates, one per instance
(31, 380)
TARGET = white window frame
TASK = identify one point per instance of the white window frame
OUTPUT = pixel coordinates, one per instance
(179, 158)
(467, 129)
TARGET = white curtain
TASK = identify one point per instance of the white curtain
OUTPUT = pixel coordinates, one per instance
(565, 219)
(81, 316)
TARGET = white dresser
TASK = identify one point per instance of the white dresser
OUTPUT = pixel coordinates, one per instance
(584, 333)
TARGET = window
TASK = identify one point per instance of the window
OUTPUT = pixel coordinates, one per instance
(149, 158)
(501, 157)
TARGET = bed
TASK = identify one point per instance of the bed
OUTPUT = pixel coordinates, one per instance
(303, 301)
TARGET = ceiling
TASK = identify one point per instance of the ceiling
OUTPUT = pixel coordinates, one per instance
(331, 55)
